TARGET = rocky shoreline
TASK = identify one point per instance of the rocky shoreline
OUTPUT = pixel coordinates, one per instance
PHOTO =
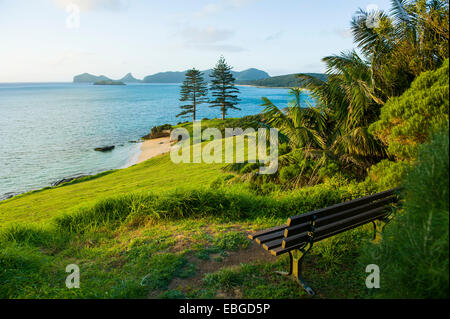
(56, 183)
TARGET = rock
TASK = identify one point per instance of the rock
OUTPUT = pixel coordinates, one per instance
(8, 195)
(68, 179)
(104, 148)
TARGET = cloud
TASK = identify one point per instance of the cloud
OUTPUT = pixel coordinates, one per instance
(208, 38)
(91, 5)
(214, 47)
(206, 35)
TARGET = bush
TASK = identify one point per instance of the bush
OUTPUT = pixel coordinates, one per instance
(406, 121)
(288, 173)
(158, 131)
(413, 256)
(386, 175)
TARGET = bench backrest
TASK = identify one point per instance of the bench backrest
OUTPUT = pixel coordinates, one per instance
(329, 221)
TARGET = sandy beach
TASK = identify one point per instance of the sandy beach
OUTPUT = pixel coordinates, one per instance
(154, 147)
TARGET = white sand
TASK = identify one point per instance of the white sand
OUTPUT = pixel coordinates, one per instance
(154, 147)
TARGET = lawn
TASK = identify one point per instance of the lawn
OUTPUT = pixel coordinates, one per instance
(157, 174)
(165, 230)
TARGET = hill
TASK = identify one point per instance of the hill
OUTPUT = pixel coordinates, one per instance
(171, 77)
(129, 78)
(178, 76)
(289, 80)
(89, 78)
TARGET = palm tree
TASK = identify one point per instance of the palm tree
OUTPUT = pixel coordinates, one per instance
(411, 40)
(300, 126)
(351, 101)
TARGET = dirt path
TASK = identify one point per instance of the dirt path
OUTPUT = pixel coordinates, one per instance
(252, 253)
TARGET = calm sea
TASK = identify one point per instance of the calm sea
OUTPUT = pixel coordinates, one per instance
(48, 131)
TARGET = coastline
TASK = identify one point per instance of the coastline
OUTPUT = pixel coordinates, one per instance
(153, 147)
(270, 87)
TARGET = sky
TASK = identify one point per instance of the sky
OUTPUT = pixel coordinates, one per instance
(53, 40)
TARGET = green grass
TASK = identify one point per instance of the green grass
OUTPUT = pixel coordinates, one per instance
(157, 174)
(137, 232)
(141, 262)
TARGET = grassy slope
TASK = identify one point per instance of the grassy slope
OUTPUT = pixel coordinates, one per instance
(156, 174)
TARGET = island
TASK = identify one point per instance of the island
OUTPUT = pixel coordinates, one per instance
(109, 82)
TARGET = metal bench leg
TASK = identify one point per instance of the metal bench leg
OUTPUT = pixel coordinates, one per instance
(295, 268)
(374, 230)
(385, 221)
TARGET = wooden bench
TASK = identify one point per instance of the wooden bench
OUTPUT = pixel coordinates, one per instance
(300, 233)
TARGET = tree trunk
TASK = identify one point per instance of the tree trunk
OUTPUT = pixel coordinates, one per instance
(194, 106)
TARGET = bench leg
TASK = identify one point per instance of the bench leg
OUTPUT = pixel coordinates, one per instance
(374, 236)
(295, 268)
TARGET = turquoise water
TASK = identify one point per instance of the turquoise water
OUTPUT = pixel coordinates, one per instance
(48, 131)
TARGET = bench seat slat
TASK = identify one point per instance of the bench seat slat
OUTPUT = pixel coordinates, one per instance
(280, 250)
(298, 229)
(295, 240)
(272, 236)
(273, 244)
(266, 231)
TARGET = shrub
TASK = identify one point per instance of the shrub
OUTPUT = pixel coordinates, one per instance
(288, 173)
(269, 188)
(386, 174)
(413, 255)
(221, 181)
(158, 131)
(406, 121)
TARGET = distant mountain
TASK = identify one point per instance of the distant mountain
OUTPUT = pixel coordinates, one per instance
(289, 80)
(251, 74)
(165, 77)
(172, 77)
(129, 78)
(89, 78)
(178, 76)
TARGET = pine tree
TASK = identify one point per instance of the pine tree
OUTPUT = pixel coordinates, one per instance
(222, 86)
(193, 90)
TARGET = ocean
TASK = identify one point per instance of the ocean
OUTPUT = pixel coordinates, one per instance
(48, 131)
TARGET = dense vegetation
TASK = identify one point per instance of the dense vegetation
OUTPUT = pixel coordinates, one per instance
(413, 256)
(158, 229)
(287, 81)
